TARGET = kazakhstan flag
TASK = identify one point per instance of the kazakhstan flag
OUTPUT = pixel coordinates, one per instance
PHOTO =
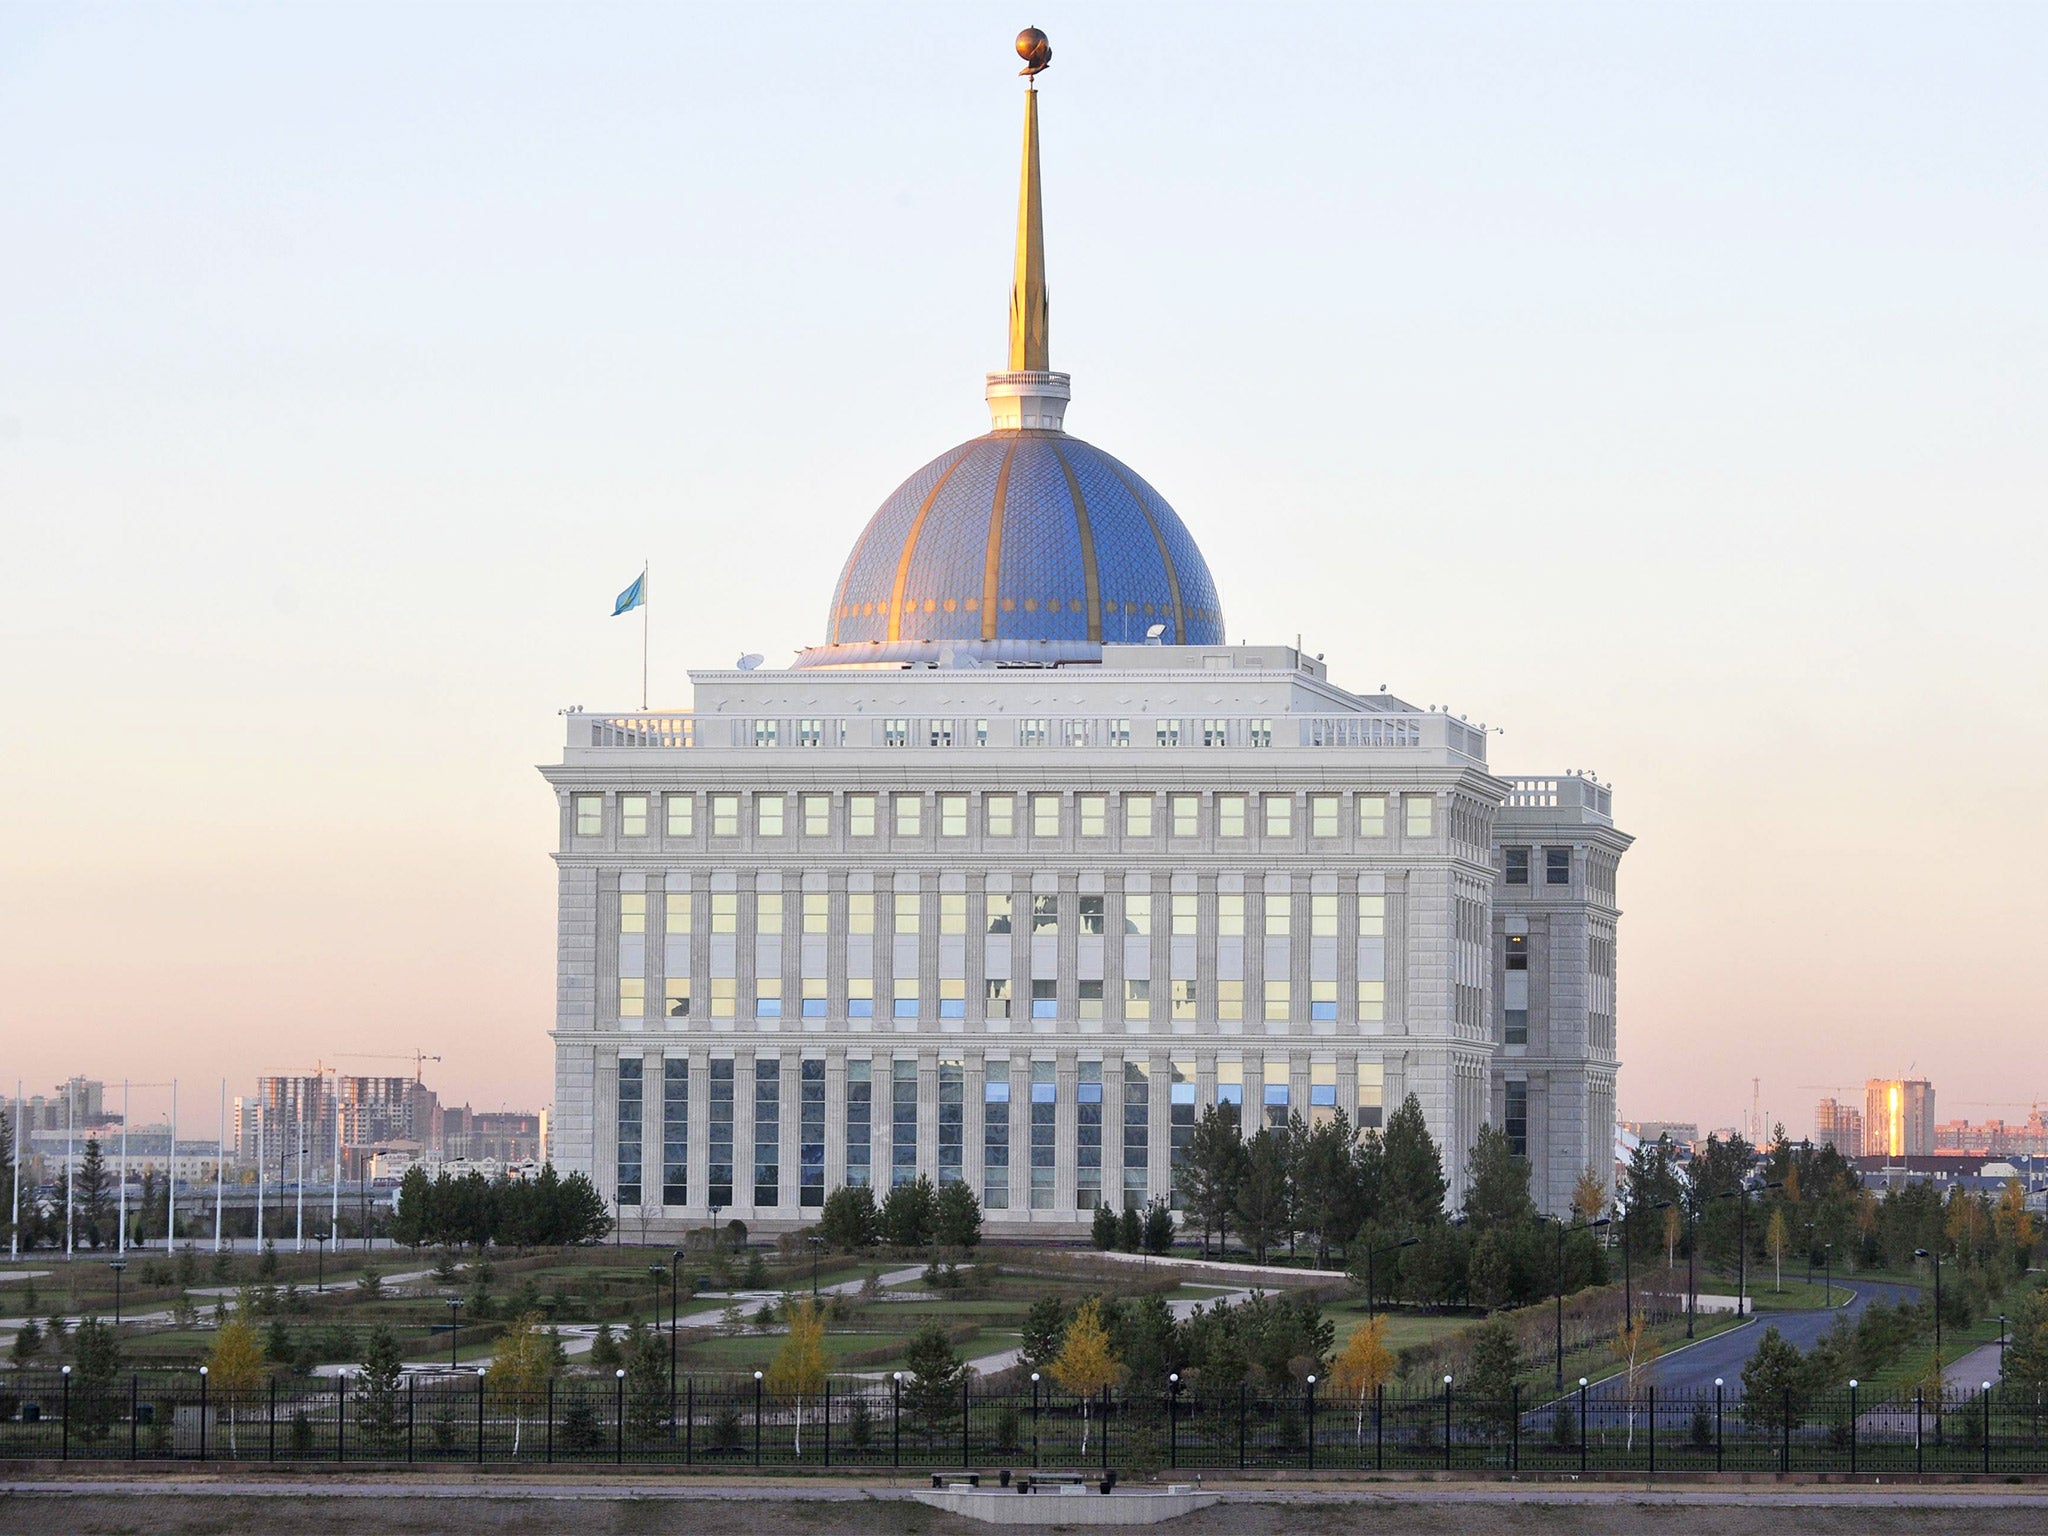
(633, 597)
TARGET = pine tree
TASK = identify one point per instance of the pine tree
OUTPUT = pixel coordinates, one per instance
(1211, 1170)
(956, 1217)
(1261, 1206)
(1412, 1176)
(412, 1222)
(91, 1193)
(95, 1362)
(848, 1221)
(1773, 1378)
(1158, 1228)
(935, 1376)
(1496, 1363)
(379, 1396)
(1104, 1228)
(1497, 1188)
(1045, 1325)
(1130, 1230)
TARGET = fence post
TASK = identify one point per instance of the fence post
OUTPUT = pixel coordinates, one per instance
(1311, 1423)
(203, 1374)
(1447, 1423)
(619, 1417)
(340, 1413)
(1717, 1424)
(1852, 1427)
(1379, 1427)
(896, 1419)
(272, 1450)
(551, 1421)
(133, 1398)
(757, 1418)
(479, 1417)
(1240, 1426)
(1034, 1421)
(826, 1426)
(410, 1384)
(1105, 1427)
(689, 1420)
(1515, 1428)
(1984, 1401)
(966, 1424)
(1652, 1391)
(1785, 1446)
(1173, 1421)
(1919, 1431)
(65, 1454)
(1585, 1426)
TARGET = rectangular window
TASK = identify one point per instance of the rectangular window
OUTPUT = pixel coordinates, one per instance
(1137, 815)
(952, 815)
(896, 732)
(995, 1138)
(1229, 1000)
(632, 997)
(815, 996)
(906, 998)
(675, 1131)
(1032, 733)
(999, 812)
(1215, 732)
(1322, 815)
(817, 815)
(1279, 916)
(1167, 733)
(1278, 1094)
(1094, 812)
(725, 912)
(1517, 951)
(676, 996)
(1181, 1121)
(1044, 1133)
(767, 732)
(810, 732)
(589, 815)
(1183, 988)
(998, 911)
(941, 733)
(1230, 1083)
(1138, 915)
(1120, 733)
(906, 911)
(1372, 1001)
(817, 912)
(1420, 813)
(1262, 733)
(1515, 1122)
(1045, 815)
(675, 912)
(725, 815)
(1183, 916)
(981, 732)
(1137, 1134)
(1088, 995)
(1322, 917)
(1092, 916)
(1322, 1001)
(1372, 1094)
(998, 1002)
(953, 912)
(1516, 1027)
(1230, 815)
(682, 814)
(810, 1146)
(902, 1122)
(1322, 1092)
(768, 997)
(724, 997)
(1187, 815)
(952, 1122)
(952, 997)
(630, 1102)
(1045, 998)
(1557, 866)
(860, 1125)
(768, 913)
(1279, 815)
(1515, 866)
(860, 912)
(633, 815)
(1088, 1135)
(1230, 916)
(1137, 998)
(768, 815)
(632, 911)
(909, 812)
(1279, 996)
(1372, 916)
(1372, 815)
(860, 815)
(767, 1131)
(1045, 914)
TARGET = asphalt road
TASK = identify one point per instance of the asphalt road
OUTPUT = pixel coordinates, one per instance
(1694, 1367)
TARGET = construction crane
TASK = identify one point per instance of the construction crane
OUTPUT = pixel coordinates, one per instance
(417, 1057)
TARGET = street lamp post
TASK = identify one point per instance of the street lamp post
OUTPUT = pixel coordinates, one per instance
(1371, 1290)
(817, 1245)
(2001, 1346)
(1922, 1253)
(1586, 1226)
(117, 1265)
(674, 1285)
(454, 1322)
(1628, 1271)
(1827, 1273)
(320, 1263)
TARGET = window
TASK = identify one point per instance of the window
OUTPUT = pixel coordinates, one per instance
(718, 1151)
(981, 733)
(1032, 733)
(766, 733)
(1322, 917)
(633, 815)
(675, 1131)
(1262, 733)
(906, 998)
(632, 997)
(1183, 989)
(860, 997)
(1215, 733)
(1137, 815)
(1279, 996)
(1372, 815)
(630, 1089)
(1278, 1094)
(1372, 1094)
(810, 1145)
(1045, 815)
(725, 912)
(952, 815)
(1137, 998)
(724, 997)
(1515, 866)
(1138, 915)
(682, 814)
(1183, 919)
(1045, 995)
(725, 815)
(1229, 1000)
(1372, 916)
(909, 810)
(589, 815)
(767, 1131)
(817, 815)
(999, 813)
(995, 1138)
(1137, 1133)
(768, 997)
(676, 996)
(1167, 733)
(817, 912)
(1181, 1123)
(1187, 815)
(896, 732)
(952, 998)
(768, 815)
(1279, 815)
(1119, 733)
(1419, 810)
(952, 1122)
(999, 997)
(1322, 815)
(906, 911)
(1088, 1135)
(1044, 1145)
(1092, 916)
(814, 996)
(860, 912)
(953, 912)
(902, 1122)
(1230, 815)
(632, 911)
(1279, 916)
(1230, 1083)
(675, 913)
(810, 733)
(860, 1125)
(860, 815)
(1372, 1001)
(1516, 1027)
(941, 733)
(1045, 915)
(768, 913)
(1230, 916)
(1088, 994)
(1322, 1002)
(1516, 1119)
(1557, 866)
(1517, 951)
(1094, 815)
(1322, 1092)
(998, 911)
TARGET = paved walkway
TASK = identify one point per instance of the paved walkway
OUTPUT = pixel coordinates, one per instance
(1694, 1367)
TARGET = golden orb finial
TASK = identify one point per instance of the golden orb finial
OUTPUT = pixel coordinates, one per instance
(1034, 50)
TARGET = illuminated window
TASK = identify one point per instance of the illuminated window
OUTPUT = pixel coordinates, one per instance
(1230, 1083)
(1045, 815)
(817, 815)
(1322, 1092)
(998, 911)
(1187, 815)
(1420, 813)
(725, 912)
(1372, 815)
(1372, 1001)
(676, 996)
(1000, 814)
(589, 815)
(953, 912)
(1230, 916)
(768, 815)
(633, 815)
(952, 998)
(682, 816)
(909, 812)
(1322, 815)
(632, 912)
(1183, 990)
(1137, 815)
(632, 997)
(860, 912)
(1279, 916)
(860, 815)
(906, 911)
(1279, 1094)
(768, 912)
(1278, 1001)
(1279, 815)
(1230, 815)
(724, 997)
(817, 912)
(1229, 1000)
(768, 998)
(860, 997)
(1322, 917)
(1137, 998)
(1322, 1001)
(1183, 916)
(1137, 916)
(814, 997)
(676, 912)
(952, 815)
(725, 815)
(1094, 812)
(906, 998)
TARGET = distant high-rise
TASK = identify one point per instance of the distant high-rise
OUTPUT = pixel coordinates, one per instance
(1838, 1125)
(1898, 1117)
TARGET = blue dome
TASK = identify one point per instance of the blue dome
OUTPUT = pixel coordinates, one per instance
(1023, 536)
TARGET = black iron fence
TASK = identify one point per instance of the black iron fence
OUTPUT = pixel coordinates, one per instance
(863, 1422)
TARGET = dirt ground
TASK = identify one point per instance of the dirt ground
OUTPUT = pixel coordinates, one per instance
(195, 1507)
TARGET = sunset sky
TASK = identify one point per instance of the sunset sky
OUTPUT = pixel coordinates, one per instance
(1666, 385)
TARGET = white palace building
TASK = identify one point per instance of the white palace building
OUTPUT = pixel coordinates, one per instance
(1024, 866)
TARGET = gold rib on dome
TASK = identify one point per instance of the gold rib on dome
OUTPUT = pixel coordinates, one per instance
(910, 546)
(1030, 318)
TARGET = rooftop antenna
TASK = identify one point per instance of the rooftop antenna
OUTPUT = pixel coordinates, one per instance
(750, 661)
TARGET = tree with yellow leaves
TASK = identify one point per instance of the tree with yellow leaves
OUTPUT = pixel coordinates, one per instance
(1085, 1364)
(521, 1367)
(1635, 1350)
(1672, 1224)
(1365, 1366)
(2013, 1222)
(236, 1364)
(1589, 1198)
(798, 1370)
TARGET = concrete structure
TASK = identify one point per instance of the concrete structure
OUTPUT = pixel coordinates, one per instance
(1025, 866)
(1839, 1126)
(1898, 1117)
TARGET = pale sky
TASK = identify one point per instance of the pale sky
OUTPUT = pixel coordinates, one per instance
(1664, 384)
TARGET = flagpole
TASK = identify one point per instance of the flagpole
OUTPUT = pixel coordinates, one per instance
(643, 637)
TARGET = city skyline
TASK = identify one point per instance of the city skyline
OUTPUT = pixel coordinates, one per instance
(344, 435)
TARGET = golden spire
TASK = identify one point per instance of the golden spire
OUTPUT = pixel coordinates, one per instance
(1030, 322)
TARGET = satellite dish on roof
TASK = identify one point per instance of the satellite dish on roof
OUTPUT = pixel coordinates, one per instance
(750, 661)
